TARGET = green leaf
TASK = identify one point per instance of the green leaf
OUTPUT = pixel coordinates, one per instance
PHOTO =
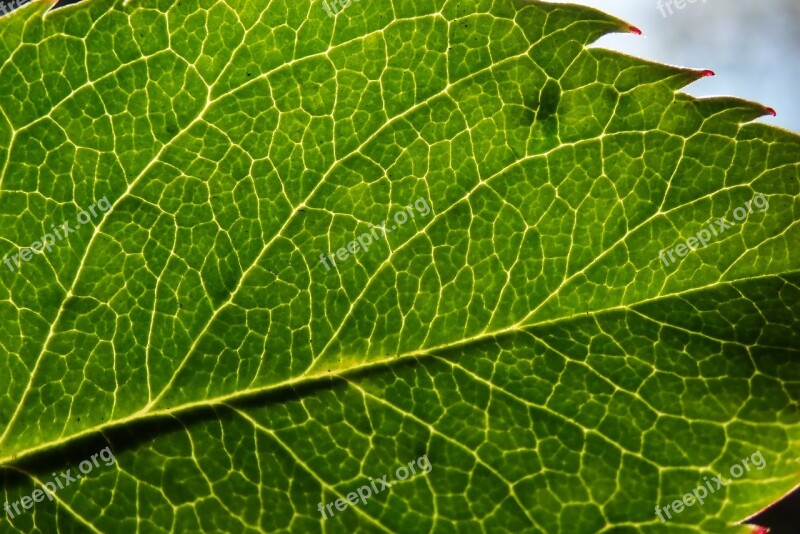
(522, 333)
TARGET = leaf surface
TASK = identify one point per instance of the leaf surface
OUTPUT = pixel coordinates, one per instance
(524, 334)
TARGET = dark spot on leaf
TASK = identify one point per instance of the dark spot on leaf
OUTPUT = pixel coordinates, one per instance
(549, 99)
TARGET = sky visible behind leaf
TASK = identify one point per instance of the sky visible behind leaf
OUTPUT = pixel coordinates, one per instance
(752, 45)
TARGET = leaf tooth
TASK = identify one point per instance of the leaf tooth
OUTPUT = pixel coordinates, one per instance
(733, 109)
(635, 30)
(692, 75)
(627, 72)
(583, 23)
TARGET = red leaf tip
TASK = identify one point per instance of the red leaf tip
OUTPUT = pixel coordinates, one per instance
(635, 30)
(706, 73)
(774, 113)
(761, 530)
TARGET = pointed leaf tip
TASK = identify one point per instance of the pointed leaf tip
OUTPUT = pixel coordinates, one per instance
(706, 73)
(780, 517)
(635, 30)
(772, 111)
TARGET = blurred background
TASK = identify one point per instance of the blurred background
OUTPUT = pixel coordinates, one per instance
(752, 45)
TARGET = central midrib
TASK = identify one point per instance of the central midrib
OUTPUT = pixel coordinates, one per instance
(312, 378)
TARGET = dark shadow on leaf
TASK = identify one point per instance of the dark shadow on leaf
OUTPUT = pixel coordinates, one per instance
(132, 436)
(781, 517)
